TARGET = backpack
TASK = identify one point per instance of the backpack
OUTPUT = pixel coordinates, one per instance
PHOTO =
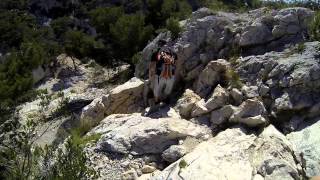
(164, 65)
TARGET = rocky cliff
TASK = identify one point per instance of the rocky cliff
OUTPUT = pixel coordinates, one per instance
(246, 105)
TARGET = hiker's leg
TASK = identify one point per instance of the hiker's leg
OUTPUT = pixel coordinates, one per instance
(156, 88)
(169, 86)
(162, 86)
(146, 89)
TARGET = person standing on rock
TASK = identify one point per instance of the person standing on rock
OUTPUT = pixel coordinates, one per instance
(162, 72)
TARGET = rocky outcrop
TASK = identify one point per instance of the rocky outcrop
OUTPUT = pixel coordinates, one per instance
(209, 35)
(138, 135)
(275, 29)
(289, 78)
(244, 154)
(126, 98)
(306, 143)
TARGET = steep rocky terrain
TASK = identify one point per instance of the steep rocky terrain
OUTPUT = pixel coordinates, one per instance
(246, 105)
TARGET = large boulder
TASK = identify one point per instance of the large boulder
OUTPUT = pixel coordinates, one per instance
(237, 154)
(174, 153)
(222, 115)
(187, 102)
(250, 112)
(306, 143)
(210, 77)
(126, 98)
(138, 135)
(219, 98)
(266, 152)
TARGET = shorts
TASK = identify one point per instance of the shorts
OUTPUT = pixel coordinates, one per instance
(162, 87)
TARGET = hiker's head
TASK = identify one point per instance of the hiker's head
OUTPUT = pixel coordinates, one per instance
(161, 42)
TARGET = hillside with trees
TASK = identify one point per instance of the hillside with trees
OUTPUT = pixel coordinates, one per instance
(100, 44)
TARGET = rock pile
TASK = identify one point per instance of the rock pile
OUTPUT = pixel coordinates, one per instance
(249, 104)
(248, 117)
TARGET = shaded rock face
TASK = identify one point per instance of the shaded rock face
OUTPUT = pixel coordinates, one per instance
(289, 78)
(209, 35)
(138, 135)
(237, 154)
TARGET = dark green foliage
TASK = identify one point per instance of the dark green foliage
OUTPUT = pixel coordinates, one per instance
(16, 153)
(232, 79)
(315, 27)
(175, 8)
(15, 27)
(15, 75)
(136, 58)
(71, 163)
(14, 4)
(102, 18)
(130, 34)
(123, 29)
(174, 27)
(183, 164)
(159, 11)
(79, 44)
(22, 159)
(231, 5)
(61, 25)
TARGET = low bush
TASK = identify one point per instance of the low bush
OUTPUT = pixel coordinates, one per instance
(315, 27)
(22, 159)
(173, 26)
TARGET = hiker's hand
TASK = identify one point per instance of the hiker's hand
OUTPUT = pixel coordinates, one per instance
(168, 59)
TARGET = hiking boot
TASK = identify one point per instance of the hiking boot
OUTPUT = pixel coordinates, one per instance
(152, 109)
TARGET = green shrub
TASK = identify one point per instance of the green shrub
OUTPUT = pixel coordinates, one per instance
(174, 27)
(15, 73)
(231, 5)
(15, 27)
(233, 79)
(61, 25)
(129, 35)
(315, 27)
(22, 159)
(70, 163)
(183, 164)
(178, 9)
(136, 58)
(14, 4)
(102, 18)
(80, 45)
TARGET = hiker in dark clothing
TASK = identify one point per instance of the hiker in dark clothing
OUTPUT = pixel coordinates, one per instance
(162, 71)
